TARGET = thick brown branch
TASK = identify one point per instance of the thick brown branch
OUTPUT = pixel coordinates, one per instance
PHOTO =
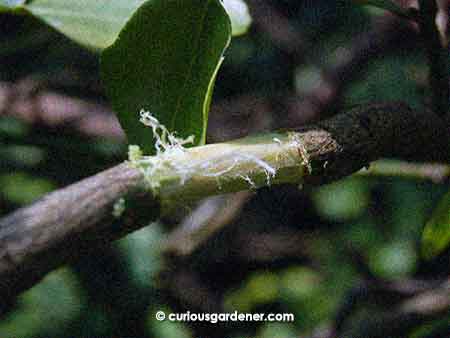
(36, 239)
(67, 223)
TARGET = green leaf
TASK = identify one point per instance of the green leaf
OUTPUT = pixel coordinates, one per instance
(165, 61)
(56, 302)
(22, 188)
(386, 5)
(436, 236)
(239, 16)
(92, 23)
(343, 200)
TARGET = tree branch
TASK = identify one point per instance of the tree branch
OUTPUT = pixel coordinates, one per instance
(408, 315)
(412, 303)
(67, 223)
(437, 56)
(204, 221)
(434, 172)
(58, 228)
(31, 102)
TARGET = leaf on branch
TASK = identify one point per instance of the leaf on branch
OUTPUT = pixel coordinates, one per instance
(387, 5)
(95, 24)
(436, 236)
(239, 16)
(165, 61)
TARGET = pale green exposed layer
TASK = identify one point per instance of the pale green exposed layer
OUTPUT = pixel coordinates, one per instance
(181, 175)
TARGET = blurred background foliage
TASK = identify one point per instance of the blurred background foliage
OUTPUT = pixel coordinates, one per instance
(361, 228)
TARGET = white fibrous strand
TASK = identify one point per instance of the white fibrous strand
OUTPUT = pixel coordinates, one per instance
(165, 140)
(169, 148)
(277, 140)
(248, 180)
(173, 160)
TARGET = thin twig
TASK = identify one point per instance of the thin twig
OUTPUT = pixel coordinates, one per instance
(437, 56)
(425, 303)
(209, 217)
(434, 172)
(278, 28)
(28, 101)
(350, 63)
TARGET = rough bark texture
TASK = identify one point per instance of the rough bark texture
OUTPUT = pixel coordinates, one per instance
(67, 223)
(348, 142)
(63, 225)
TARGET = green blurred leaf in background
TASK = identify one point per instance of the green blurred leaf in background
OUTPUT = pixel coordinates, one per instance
(48, 306)
(394, 260)
(261, 288)
(92, 23)
(436, 236)
(389, 78)
(165, 61)
(343, 200)
(387, 5)
(22, 188)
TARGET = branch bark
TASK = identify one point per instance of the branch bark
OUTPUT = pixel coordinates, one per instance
(58, 228)
(68, 223)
